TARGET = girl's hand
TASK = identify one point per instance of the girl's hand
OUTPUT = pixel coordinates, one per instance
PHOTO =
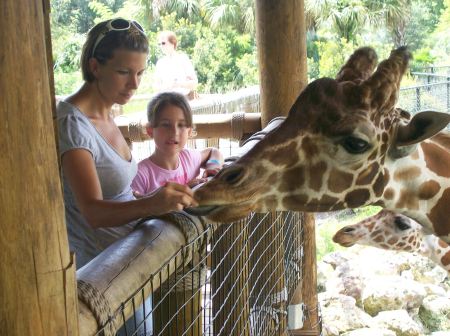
(171, 197)
(212, 167)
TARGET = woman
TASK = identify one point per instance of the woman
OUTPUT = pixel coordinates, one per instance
(174, 71)
(97, 164)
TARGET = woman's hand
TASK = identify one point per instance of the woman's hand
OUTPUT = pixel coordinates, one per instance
(171, 197)
(195, 182)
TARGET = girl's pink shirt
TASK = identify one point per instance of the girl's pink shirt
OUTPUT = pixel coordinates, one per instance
(150, 176)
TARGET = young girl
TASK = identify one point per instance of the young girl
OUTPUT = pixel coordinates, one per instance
(96, 162)
(170, 125)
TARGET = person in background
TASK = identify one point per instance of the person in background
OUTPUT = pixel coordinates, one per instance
(97, 165)
(170, 125)
(174, 71)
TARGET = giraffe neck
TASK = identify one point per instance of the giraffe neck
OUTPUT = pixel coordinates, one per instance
(419, 186)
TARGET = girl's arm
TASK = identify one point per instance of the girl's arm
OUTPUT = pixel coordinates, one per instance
(212, 161)
(79, 169)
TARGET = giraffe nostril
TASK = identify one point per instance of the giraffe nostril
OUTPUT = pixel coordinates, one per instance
(232, 175)
(348, 230)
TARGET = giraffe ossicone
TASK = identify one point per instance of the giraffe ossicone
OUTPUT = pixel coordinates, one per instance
(344, 144)
(390, 231)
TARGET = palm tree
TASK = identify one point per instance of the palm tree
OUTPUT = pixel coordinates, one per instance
(392, 14)
(239, 14)
(345, 17)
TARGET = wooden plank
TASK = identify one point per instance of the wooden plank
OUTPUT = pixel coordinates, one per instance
(37, 274)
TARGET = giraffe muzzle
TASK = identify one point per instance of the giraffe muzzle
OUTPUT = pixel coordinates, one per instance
(202, 210)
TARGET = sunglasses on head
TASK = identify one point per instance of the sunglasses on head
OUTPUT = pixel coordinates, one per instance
(116, 25)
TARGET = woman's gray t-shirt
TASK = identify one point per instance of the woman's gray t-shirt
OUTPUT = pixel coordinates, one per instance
(115, 175)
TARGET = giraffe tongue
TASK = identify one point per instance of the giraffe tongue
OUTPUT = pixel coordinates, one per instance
(201, 210)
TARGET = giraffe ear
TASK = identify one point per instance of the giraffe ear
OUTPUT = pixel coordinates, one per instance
(422, 126)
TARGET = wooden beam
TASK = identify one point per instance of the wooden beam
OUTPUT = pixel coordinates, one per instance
(37, 272)
(224, 126)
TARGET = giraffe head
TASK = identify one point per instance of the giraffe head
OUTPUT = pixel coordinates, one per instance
(334, 149)
(386, 230)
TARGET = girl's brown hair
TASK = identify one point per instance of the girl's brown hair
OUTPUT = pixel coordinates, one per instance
(159, 103)
(130, 39)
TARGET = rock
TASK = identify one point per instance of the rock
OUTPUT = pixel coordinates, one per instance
(391, 293)
(346, 280)
(440, 333)
(435, 313)
(341, 310)
(336, 258)
(398, 321)
(434, 290)
(370, 332)
(324, 272)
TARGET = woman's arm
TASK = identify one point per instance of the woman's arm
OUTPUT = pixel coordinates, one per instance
(79, 169)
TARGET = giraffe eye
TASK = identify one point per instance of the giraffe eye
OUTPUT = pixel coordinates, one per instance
(401, 223)
(355, 145)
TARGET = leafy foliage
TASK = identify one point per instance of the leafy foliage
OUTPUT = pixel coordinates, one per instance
(219, 35)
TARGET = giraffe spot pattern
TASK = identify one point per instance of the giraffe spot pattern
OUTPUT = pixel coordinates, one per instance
(326, 202)
(442, 139)
(339, 180)
(389, 194)
(407, 200)
(367, 176)
(392, 241)
(293, 201)
(271, 202)
(445, 260)
(357, 197)
(285, 156)
(442, 243)
(428, 189)
(317, 170)
(407, 174)
(309, 148)
(436, 159)
(439, 214)
(292, 178)
(379, 185)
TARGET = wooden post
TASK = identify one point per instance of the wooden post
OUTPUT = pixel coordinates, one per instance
(306, 293)
(37, 272)
(229, 280)
(281, 40)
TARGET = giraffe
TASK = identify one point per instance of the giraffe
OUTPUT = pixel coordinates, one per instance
(390, 231)
(344, 144)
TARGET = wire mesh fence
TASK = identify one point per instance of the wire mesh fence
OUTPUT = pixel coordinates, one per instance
(240, 284)
(434, 96)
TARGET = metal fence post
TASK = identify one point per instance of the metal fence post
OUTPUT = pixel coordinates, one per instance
(418, 103)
